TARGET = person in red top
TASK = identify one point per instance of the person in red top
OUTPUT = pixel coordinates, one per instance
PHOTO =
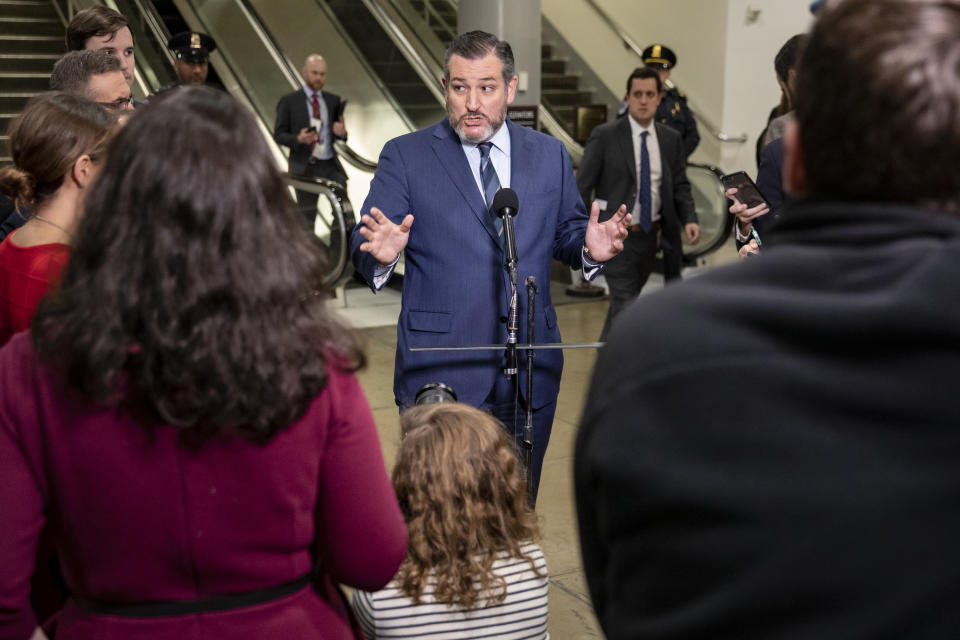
(183, 412)
(57, 145)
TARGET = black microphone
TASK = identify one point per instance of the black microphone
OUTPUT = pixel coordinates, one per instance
(505, 205)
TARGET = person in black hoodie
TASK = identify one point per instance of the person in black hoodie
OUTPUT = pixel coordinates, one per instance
(807, 486)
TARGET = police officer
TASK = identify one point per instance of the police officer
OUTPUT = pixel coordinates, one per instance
(673, 110)
(191, 51)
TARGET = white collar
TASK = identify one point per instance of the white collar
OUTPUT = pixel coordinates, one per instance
(500, 140)
(636, 128)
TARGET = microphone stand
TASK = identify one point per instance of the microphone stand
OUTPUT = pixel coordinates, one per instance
(528, 425)
(510, 264)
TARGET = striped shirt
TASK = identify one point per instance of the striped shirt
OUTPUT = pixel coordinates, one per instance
(522, 614)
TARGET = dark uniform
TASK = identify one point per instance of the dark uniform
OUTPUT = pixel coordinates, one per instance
(673, 110)
(191, 47)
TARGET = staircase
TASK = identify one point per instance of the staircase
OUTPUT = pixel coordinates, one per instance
(560, 89)
(31, 40)
(440, 16)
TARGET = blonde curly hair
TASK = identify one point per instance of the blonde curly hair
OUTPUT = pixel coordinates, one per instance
(458, 481)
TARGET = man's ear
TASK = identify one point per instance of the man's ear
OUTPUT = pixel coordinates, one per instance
(794, 169)
(512, 89)
(82, 172)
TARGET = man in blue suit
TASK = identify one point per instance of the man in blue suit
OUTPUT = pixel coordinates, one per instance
(456, 291)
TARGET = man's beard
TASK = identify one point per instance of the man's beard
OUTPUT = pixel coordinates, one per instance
(492, 126)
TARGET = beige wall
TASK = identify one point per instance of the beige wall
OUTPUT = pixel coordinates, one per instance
(725, 62)
(751, 46)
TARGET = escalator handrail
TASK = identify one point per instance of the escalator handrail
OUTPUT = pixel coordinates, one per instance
(428, 71)
(697, 251)
(156, 27)
(343, 212)
(632, 44)
(347, 153)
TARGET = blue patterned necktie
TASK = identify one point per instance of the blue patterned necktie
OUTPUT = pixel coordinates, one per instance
(490, 182)
(644, 180)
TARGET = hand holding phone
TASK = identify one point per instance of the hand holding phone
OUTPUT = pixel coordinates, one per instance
(746, 189)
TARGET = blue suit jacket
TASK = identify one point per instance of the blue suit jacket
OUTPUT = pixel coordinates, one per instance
(455, 288)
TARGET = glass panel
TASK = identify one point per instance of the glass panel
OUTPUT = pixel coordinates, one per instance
(252, 64)
(711, 206)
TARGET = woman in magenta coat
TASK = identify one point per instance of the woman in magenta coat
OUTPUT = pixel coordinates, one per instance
(183, 413)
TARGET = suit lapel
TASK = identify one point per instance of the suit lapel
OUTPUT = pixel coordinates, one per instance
(522, 161)
(300, 108)
(625, 139)
(331, 114)
(446, 144)
(665, 159)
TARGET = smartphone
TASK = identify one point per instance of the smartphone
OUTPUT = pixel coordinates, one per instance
(311, 129)
(747, 191)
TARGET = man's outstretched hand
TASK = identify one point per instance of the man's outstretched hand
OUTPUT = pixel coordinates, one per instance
(605, 239)
(384, 239)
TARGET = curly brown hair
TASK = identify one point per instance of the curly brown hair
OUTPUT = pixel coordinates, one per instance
(189, 292)
(458, 481)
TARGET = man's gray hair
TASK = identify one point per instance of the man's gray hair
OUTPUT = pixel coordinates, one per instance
(72, 72)
(474, 45)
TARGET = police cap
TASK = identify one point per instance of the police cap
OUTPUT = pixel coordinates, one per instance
(659, 56)
(190, 46)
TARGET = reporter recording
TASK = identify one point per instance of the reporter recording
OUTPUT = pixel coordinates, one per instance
(184, 413)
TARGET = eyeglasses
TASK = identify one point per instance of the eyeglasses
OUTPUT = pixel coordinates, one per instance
(120, 104)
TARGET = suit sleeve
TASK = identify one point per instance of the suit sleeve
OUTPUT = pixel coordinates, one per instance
(282, 131)
(590, 167)
(390, 193)
(337, 109)
(572, 217)
(682, 197)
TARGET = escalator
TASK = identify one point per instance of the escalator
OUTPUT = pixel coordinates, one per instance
(153, 21)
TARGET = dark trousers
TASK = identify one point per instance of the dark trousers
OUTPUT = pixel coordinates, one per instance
(306, 200)
(628, 271)
(502, 403)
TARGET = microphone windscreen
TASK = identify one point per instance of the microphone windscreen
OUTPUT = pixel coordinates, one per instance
(505, 198)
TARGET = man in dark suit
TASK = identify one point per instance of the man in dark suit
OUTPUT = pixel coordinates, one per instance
(307, 122)
(455, 289)
(772, 449)
(641, 164)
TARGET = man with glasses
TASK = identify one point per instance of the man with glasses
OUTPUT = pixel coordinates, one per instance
(94, 75)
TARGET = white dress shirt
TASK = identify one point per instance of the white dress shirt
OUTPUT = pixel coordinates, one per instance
(324, 148)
